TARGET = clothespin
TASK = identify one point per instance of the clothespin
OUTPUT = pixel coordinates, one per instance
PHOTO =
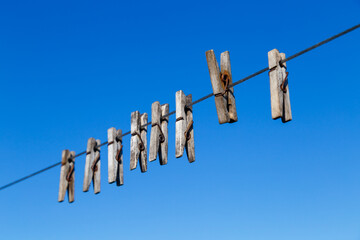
(92, 165)
(159, 132)
(279, 88)
(184, 126)
(67, 176)
(220, 81)
(115, 156)
(138, 142)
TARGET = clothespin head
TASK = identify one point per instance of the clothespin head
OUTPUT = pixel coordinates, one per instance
(221, 81)
(279, 89)
(115, 157)
(184, 126)
(67, 176)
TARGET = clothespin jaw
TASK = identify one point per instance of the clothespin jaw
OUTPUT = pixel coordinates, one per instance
(220, 81)
(115, 157)
(159, 132)
(184, 126)
(92, 165)
(138, 142)
(67, 176)
(279, 88)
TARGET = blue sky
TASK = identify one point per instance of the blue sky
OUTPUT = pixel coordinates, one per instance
(69, 70)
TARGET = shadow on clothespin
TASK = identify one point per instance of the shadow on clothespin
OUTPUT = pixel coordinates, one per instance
(159, 133)
(67, 176)
(279, 88)
(184, 126)
(138, 142)
(220, 81)
(115, 157)
(92, 165)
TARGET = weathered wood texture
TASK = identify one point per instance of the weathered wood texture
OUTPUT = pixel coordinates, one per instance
(180, 124)
(184, 132)
(143, 132)
(224, 96)
(280, 100)
(190, 143)
(287, 115)
(138, 141)
(115, 157)
(97, 168)
(92, 165)
(88, 162)
(67, 176)
(159, 132)
(275, 91)
(229, 95)
(163, 153)
(155, 130)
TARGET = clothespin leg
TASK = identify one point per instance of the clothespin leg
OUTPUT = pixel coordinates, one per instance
(190, 144)
(134, 141)
(63, 184)
(134, 152)
(88, 173)
(71, 187)
(143, 153)
(96, 168)
(115, 156)
(163, 151)
(120, 168)
(226, 71)
(287, 115)
(155, 131)
(112, 150)
(275, 79)
(180, 123)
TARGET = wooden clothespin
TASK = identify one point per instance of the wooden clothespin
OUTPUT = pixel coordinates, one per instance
(279, 89)
(220, 81)
(115, 156)
(159, 132)
(92, 165)
(67, 176)
(138, 142)
(184, 126)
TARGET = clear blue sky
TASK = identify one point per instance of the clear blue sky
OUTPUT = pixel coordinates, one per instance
(69, 70)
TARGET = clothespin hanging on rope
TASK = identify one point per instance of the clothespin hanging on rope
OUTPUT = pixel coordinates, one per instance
(138, 142)
(159, 132)
(92, 165)
(184, 126)
(67, 176)
(115, 157)
(220, 81)
(279, 88)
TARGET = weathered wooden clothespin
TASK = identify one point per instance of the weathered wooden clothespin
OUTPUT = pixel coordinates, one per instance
(279, 89)
(159, 132)
(92, 165)
(115, 156)
(184, 126)
(220, 81)
(67, 176)
(138, 142)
